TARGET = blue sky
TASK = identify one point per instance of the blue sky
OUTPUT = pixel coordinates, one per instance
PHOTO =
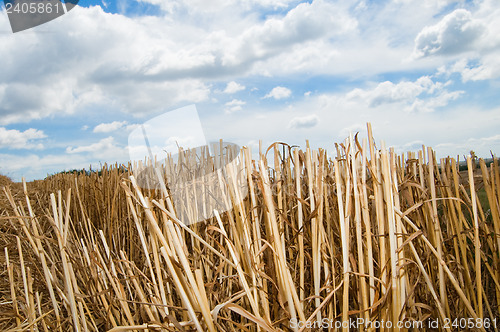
(422, 72)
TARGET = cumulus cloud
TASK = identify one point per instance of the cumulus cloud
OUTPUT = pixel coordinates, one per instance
(234, 105)
(24, 101)
(429, 105)
(488, 67)
(109, 127)
(233, 87)
(433, 94)
(279, 92)
(299, 122)
(100, 148)
(304, 23)
(473, 35)
(457, 32)
(15, 139)
(389, 92)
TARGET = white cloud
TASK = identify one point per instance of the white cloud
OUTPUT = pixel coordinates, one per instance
(24, 101)
(304, 23)
(15, 139)
(279, 92)
(299, 122)
(109, 127)
(473, 35)
(429, 105)
(475, 73)
(379, 40)
(388, 92)
(464, 31)
(488, 67)
(457, 32)
(233, 87)
(234, 105)
(100, 148)
(432, 94)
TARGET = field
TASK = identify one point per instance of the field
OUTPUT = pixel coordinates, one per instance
(365, 235)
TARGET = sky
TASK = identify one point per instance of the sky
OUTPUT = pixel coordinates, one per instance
(422, 72)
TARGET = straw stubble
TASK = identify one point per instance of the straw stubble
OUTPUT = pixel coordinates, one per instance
(367, 234)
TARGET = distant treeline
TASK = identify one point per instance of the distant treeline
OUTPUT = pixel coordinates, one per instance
(121, 168)
(462, 166)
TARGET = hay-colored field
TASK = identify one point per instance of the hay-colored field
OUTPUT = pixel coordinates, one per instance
(366, 234)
